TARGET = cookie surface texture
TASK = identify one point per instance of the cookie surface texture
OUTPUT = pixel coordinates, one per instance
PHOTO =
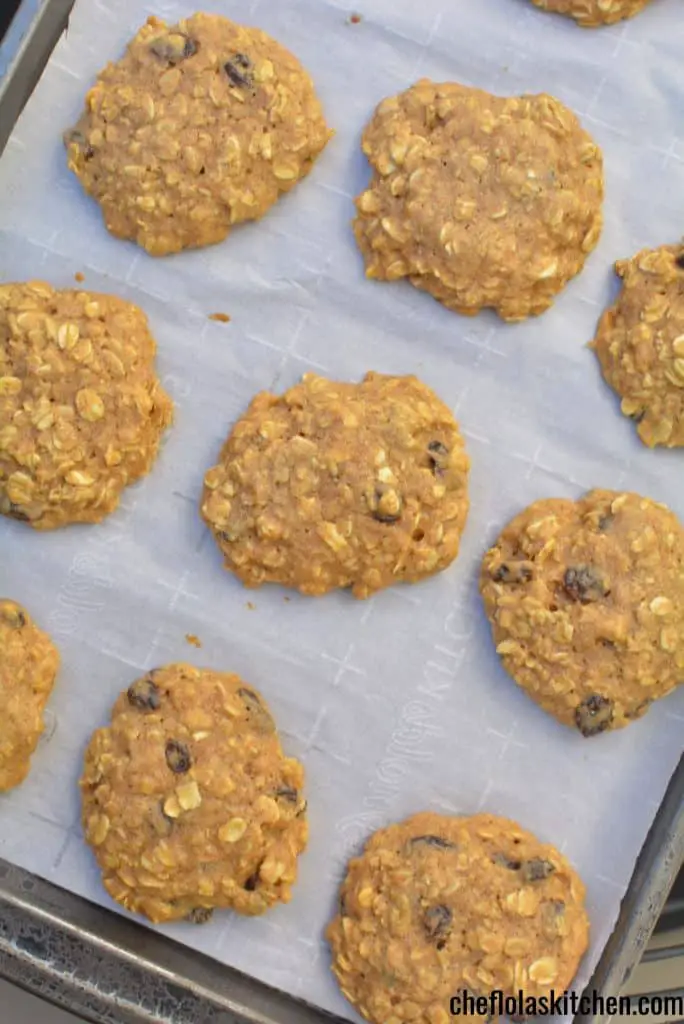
(594, 13)
(200, 126)
(437, 904)
(188, 801)
(340, 485)
(586, 603)
(28, 665)
(640, 344)
(81, 409)
(482, 201)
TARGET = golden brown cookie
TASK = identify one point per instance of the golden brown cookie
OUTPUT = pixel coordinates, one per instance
(593, 13)
(436, 905)
(81, 409)
(200, 126)
(188, 801)
(640, 344)
(28, 666)
(340, 485)
(477, 199)
(586, 603)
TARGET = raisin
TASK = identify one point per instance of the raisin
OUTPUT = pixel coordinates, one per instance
(536, 870)
(435, 841)
(386, 517)
(177, 757)
(251, 883)
(238, 69)
(582, 583)
(227, 536)
(679, 260)
(505, 861)
(144, 695)
(512, 572)
(173, 48)
(386, 505)
(437, 924)
(199, 915)
(259, 716)
(605, 522)
(343, 906)
(594, 715)
(288, 793)
(439, 455)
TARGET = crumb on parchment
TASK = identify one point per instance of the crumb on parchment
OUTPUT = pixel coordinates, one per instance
(221, 318)
(193, 640)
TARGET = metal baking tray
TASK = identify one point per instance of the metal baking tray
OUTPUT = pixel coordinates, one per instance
(111, 970)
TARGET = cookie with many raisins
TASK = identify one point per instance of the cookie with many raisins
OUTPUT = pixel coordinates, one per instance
(200, 126)
(586, 603)
(594, 13)
(436, 905)
(28, 666)
(188, 801)
(340, 485)
(640, 344)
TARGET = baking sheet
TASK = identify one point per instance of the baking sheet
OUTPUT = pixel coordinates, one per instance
(395, 704)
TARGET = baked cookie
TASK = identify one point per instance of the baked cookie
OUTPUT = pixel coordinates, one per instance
(436, 905)
(640, 344)
(201, 125)
(28, 665)
(478, 199)
(81, 409)
(586, 603)
(593, 13)
(188, 801)
(340, 485)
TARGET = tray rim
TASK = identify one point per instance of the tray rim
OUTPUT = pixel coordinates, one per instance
(41, 923)
(24, 51)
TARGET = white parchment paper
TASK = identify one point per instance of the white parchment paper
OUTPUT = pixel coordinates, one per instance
(399, 703)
